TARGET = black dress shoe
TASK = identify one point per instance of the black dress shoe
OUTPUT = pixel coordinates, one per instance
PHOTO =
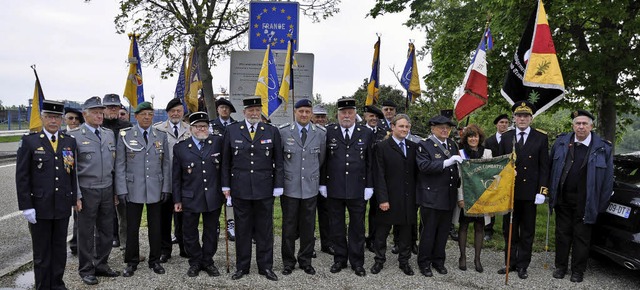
(268, 273)
(107, 273)
(440, 269)
(453, 233)
(157, 268)
(478, 265)
(462, 264)
(414, 249)
(504, 270)
(522, 273)
(576, 277)
(337, 267)
(174, 240)
(239, 274)
(129, 271)
(329, 250)
(376, 268)
(426, 272)
(212, 270)
(360, 271)
(308, 269)
(74, 251)
(287, 270)
(90, 280)
(184, 254)
(314, 255)
(395, 250)
(559, 273)
(193, 271)
(115, 244)
(164, 258)
(406, 269)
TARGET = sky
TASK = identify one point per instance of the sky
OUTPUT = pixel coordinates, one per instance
(78, 54)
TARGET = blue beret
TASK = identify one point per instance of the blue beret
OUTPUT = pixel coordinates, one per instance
(303, 103)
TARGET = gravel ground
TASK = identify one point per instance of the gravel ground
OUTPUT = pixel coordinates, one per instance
(601, 274)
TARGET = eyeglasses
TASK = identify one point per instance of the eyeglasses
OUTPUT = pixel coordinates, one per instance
(201, 127)
(73, 118)
(146, 114)
(122, 113)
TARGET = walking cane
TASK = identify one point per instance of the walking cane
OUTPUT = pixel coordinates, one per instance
(226, 235)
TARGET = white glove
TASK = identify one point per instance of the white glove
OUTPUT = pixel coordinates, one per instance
(278, 191)
(30, 215)
(229, 201)
(539, 198)
(452, 160)
(323, 190)
(368, 192)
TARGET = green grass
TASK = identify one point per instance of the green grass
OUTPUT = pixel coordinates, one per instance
(6, 139)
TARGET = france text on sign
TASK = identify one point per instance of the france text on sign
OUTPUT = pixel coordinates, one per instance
(273, 23)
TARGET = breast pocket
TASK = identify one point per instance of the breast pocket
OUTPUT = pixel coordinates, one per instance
(86, 154)
(41, 161)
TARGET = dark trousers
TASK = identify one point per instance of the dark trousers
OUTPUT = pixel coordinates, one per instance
(166, 218)
(201, 255)
(353, 250)
(415, 228)
(572, 235)
(371, 222)
(524, 229)
(298, 220)
(404, 242)
(177, 230)
(73, 243)
(323, 222)
(433, 237)
(134, 214)
(96, 214)
(120, 223)
(254, 219)
(49, 239)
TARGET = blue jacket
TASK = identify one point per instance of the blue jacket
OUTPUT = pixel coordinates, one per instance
(599, 174)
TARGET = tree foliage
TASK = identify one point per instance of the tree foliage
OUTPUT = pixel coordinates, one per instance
(213, 27)
(597, 42)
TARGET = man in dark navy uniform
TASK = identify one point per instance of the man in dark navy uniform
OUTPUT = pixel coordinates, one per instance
(347, 183)
(252, 175)
(46, 184)
(532, 164)
(437, 189)
(196, 192)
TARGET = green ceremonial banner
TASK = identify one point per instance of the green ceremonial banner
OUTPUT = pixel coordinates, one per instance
(484, 175)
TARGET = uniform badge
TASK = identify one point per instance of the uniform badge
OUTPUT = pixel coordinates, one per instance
(41, 135)
(133, 142)
(86, 142)
(158, 144)
(267, 141)
(132, 155)
(123, 133)
(88, 157)
(67, 157)
(267, 152)
(39, 165)
(189, 170)
(438, 155)
(288, 155)
(236, 152)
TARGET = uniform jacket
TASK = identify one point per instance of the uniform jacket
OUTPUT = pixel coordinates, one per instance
(348, 168)
(217, 128)
(96, 157)
(252, 168)
(196, 175)
(142, 171)
(437, 187)
(46, 180)
(302, 162)
(532, 162)
(167, 127)
(379, 133)
(116, 125)
(492, 144)
(395, 182)
(599, 173)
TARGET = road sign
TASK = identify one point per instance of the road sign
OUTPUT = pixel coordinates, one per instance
(273, 23)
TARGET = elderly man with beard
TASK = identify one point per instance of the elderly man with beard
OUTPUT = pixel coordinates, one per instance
(196, 192)
(177, 130)
(252, 175)
(347, 183)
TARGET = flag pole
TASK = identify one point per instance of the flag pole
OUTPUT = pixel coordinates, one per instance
(506, 280)
(293, 94)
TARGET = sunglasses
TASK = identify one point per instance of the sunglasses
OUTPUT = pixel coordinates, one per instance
(122, 113)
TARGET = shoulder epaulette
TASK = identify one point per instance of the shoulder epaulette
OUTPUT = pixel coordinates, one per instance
(74, 129)
(320, 127)
(541, 131)
(607, 141)
(285, 125)
(158, 123)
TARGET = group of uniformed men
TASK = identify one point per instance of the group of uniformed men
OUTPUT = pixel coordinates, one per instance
(195, 168)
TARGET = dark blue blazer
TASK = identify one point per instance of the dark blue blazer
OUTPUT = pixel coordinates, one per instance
(437, 187)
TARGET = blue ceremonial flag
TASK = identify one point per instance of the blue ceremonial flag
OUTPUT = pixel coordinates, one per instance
(268, 85)
(273, 24)
(134, 90)
(410, 78)
(180, 86)
(373, 91)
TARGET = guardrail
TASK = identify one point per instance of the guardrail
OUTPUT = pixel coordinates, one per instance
(13, 132)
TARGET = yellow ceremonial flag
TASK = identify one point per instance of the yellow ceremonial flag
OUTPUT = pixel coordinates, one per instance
(287, 76)
(498, 197)
(373, 87)
(134, 89)
(35, 122)
(194, 82)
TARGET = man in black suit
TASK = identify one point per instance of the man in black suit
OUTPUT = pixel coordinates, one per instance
(196, 192)
(532, 164)
(46, 186)
(492, 143)
(347, 183)
(395, 189)
(437, 189)
(252, 175)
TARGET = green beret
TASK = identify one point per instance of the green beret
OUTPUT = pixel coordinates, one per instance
(143, 106)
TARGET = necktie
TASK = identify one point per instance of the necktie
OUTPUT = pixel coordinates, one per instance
(346, 135)
(53, 138)
(201, 145)
(444, 145)
(521, 140)
(54, 144)
(175, 130)
(225, 123)
(98, 134)
(144, 135)
(304, 135)
(252, 132)
(402, 149)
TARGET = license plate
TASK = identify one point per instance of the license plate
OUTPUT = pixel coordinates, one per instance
(619, 210)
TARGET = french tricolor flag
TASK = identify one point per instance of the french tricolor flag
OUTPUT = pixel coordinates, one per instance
(473, 93)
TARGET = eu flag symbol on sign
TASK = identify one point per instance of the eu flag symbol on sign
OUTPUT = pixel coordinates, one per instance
(273, 23)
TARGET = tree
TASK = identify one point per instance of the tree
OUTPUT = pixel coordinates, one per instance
(597, 42)
(213, 27)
